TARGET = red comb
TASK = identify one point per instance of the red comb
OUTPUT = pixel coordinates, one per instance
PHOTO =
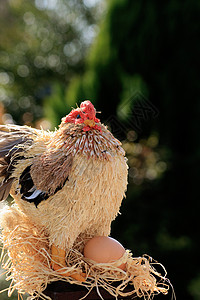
(86, 111)
(88, 107)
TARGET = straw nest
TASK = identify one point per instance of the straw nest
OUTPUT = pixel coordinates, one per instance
(27, 261)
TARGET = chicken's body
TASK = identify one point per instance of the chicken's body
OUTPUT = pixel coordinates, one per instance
(70, 182)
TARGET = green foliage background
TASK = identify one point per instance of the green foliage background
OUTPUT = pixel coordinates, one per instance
(146, 48)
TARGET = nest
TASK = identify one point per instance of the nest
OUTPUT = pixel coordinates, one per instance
(27, 260)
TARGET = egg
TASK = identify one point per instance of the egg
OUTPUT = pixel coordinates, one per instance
(103, 249)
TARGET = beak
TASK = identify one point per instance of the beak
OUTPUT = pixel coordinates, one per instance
(90, 123)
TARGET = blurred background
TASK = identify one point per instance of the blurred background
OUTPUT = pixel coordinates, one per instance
(138, 62)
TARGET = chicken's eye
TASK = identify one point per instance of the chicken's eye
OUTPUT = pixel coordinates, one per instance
(78, 116)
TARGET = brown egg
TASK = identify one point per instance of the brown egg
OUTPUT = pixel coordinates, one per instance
(103, 249)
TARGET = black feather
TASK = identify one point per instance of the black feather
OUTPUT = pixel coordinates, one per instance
(28, 189)
(26, 181)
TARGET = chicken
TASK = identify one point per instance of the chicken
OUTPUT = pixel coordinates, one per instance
(70, 182)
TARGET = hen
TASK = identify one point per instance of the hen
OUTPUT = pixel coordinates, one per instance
(70, 181)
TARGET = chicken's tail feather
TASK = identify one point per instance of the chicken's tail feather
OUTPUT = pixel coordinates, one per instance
(12, 141)
(5, 189)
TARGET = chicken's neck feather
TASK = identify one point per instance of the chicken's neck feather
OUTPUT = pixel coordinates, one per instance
(99, 145)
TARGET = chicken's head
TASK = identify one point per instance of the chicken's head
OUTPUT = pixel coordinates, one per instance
(86, 115)
(80, 132)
